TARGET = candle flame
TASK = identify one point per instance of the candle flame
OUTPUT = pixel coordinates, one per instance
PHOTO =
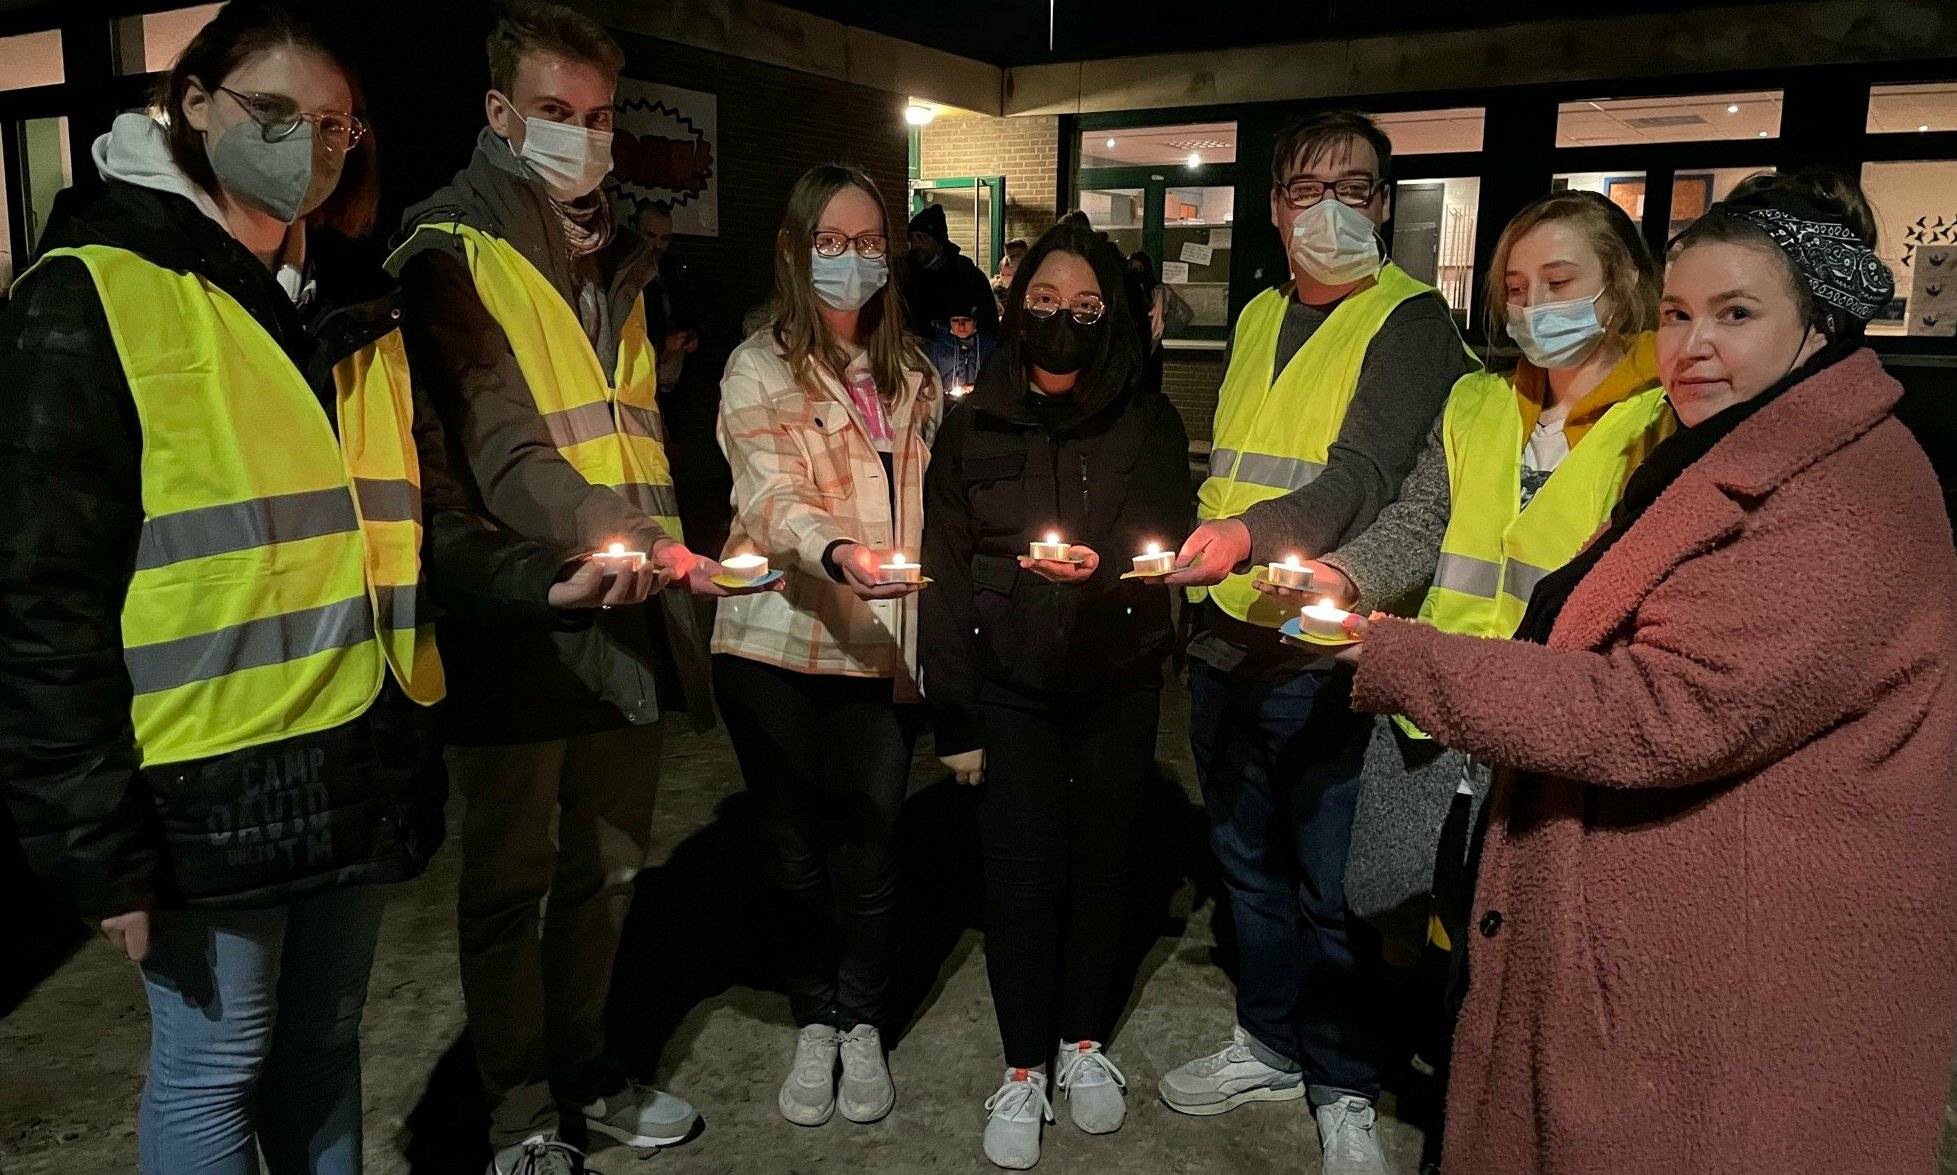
(1052, 536)
(1291, 563)
(1325, 602)
(899, 558)
(1154, 549)
(616, 549)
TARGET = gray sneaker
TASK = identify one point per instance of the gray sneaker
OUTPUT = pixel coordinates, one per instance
(540, 1154)
(641, 1116)
(1012, 1134)
(1345, 1130)
(808, 1096)
(1227, 1079)
(867, 1093)
(1093, 1087)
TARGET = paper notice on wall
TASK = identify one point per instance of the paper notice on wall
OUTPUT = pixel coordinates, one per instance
(1196, 254)
(1219, 238)
(1175, 273)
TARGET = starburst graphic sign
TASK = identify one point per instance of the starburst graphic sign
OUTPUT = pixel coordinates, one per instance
(667, 151)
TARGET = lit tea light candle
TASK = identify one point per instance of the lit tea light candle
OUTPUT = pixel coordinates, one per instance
(746, 568)
(1323, 619)
(616, 558)
(1155, 561)
(1289, 574)
(958, 391)
(1052, 549)
(898, 570)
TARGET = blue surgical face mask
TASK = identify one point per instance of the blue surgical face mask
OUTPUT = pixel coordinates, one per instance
(1557, 334)
(848, 280)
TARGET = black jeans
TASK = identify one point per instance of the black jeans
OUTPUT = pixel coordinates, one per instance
(1056, 822)
(1279, 763)
(829, 758)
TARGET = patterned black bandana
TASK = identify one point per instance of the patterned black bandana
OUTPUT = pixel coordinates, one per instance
(1849, 281)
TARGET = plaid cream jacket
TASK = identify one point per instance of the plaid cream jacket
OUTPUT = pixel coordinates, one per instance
(805, 476)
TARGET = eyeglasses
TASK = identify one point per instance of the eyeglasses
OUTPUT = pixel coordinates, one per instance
(868, 246)
(1303, 193)
(278, 117)
(1086, 309)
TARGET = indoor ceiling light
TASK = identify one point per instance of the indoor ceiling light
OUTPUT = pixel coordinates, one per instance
(1733, 108)
(1923, 126)
(918, 115)
(1195, 159)
(1763, 134)
(1110, 144)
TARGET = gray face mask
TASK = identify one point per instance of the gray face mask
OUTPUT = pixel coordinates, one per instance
(285, 179)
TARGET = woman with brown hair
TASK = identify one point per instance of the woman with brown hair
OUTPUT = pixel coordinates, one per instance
(1712, 908)
(826, 417)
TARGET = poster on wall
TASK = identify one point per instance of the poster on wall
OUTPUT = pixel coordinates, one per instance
(666, 150)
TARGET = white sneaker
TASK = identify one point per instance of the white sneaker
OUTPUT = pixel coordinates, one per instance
(808, 1096)
(1227, 1079)
(1093, 1087)
(1345, 1130)
(1012, 1134)
(642, 1116)
(541, 1154)
(867, 1092)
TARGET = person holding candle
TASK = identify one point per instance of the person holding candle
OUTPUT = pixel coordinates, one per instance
(525, 319)
(1732, 888)
(222, 511)
(1517, 475)
(1044, 667)
(1332, 383)
(826, 417)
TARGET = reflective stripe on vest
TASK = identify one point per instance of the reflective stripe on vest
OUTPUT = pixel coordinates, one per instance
(1274, 430)
(1495, 552)
(251, 614)
(607, 427)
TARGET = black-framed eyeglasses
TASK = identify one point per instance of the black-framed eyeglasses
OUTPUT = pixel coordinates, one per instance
(1086, 309)
(868, 246)
(1303, 193)
(278, 117)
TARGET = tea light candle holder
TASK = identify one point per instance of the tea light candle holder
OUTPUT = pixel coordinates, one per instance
(616, 559)
(1324, 619)
(1289, 574)
(899, 570)
(746, 568)
(1155, 561)
(1052, 550)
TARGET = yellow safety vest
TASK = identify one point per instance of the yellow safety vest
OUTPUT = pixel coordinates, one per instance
(607, 427)
(1274, 429)
(278, 569)
(1495, 550)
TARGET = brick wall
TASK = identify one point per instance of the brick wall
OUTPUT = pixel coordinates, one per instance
(1024, 150)
(1190, 379)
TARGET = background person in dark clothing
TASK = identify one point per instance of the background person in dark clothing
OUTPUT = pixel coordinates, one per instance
(958, 350)
(937, 279)
(1150, 299)
(1047, 676)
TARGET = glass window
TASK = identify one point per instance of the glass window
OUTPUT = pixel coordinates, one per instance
(150, 43)
(1429, 132)
(1931, 106)
(1695, 191)
(1693, 118)
(1916, 234)
(1116, 212)
(1434, 236)
(1192, 144)
(44, 156)
(1195, 262)
(1622, 188)
(32, 59)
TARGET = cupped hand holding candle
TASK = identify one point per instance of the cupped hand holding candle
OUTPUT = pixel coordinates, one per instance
(864, 573)
(746, 568)
(615, 558)
(1061, 562)
(1054, 548)
(899, 570)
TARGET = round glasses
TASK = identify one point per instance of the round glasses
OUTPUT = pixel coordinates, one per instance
(868, 246)
(278, 117)
(1086, 308)
(1303, 193)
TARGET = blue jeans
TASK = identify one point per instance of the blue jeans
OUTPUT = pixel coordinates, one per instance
(255, 1036)
(1279, 762)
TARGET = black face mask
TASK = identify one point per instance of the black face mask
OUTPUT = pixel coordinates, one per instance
(1059, 344)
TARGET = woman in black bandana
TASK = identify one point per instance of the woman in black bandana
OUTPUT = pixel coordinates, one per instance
(1712, 929)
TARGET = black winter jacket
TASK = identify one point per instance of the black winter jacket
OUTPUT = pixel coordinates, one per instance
(355, 804)
(1114, 477)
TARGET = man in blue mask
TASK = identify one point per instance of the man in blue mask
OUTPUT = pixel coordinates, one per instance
(525, 325)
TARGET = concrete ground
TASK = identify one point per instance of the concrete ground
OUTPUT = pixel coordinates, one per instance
(696, 1014)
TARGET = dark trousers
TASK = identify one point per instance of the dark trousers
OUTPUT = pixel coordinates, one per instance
(1279, 763)
(1056, 822)
(829, 758)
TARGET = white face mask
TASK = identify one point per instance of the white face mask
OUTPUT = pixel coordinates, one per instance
(1557, 334)
(571, 161)
(847, 281)
(1334, 243)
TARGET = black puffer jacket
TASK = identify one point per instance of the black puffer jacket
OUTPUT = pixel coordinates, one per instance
(355, 804)
(1114, 477)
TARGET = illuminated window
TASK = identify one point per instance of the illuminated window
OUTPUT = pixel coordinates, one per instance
(1690, 119)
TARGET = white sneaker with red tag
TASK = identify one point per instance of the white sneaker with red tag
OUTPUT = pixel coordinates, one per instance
(1019, 1108)
(1094, 1087)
